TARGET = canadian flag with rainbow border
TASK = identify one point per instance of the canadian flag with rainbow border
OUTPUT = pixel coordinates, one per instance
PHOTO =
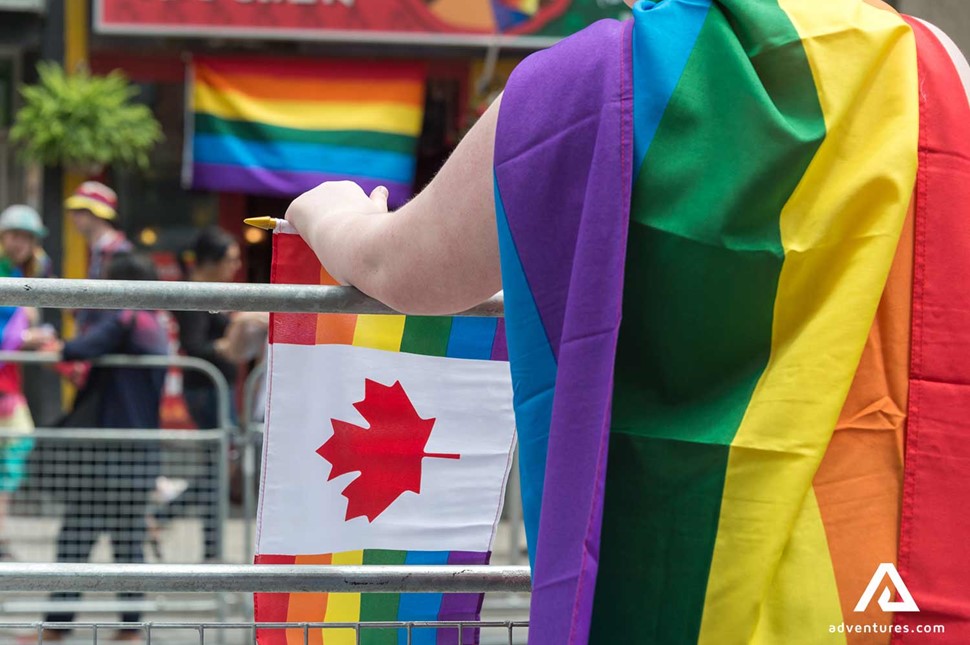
(388, 440)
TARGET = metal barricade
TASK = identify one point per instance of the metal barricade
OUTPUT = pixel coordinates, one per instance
(268, 579)
(90, 488)
(251, 442)
(201, 296)
(194, 296)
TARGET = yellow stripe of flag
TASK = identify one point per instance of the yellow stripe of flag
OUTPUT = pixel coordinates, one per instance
(343, 607)
(379, 332)
(393, 118)
(839, 230)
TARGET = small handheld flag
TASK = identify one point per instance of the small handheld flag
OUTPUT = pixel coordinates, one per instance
(388, 440)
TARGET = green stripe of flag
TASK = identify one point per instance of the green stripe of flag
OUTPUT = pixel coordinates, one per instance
(380, 607)
(255, 131)
(427, 336)
(703, 264)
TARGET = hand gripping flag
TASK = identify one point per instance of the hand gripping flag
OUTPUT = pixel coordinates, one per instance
(388, 441)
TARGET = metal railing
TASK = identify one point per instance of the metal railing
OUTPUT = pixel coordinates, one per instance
(251, 438)
(407, 632)
(270, 579)
(265, 578)
(202, 296)
(219, 381)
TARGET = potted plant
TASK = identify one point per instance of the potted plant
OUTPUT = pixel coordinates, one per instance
(84, 122)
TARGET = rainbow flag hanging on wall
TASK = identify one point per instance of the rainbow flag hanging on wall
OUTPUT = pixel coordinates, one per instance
(280, 127)
(388, 441)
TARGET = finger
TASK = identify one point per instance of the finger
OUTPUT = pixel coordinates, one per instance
(379, 196)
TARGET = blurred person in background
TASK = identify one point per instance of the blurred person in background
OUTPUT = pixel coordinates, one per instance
(110, 488)
(21, 231)
(226, 341)
(93, 209)
(16, 423)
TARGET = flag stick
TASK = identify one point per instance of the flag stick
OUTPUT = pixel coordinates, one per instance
(265, 223)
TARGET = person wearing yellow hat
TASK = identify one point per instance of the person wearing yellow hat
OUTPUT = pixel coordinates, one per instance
(93, 209)
(21, 232)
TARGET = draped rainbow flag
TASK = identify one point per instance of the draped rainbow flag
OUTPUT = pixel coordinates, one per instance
(725, 461)
(346, 394)
(280, 127)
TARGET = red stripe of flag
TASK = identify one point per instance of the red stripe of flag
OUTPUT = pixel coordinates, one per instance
(294, 263)
(272, 607)
(315, 69)
(936, 488)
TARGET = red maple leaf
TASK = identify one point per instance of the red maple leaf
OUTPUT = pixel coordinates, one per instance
(388, 455)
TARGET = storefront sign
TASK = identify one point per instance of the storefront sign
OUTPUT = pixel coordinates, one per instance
(445, 21)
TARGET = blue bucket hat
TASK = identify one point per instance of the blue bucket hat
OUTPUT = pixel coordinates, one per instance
(22, 218)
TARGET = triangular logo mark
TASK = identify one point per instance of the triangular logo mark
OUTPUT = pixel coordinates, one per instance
(905, 602)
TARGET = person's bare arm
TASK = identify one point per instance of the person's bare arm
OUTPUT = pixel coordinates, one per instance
(436, 255)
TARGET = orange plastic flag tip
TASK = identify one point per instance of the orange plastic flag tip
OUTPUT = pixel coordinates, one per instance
(265, 223)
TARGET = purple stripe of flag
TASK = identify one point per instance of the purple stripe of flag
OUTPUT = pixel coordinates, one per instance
(500, 350)
(575, 272)
(462, 606)
(283, 183)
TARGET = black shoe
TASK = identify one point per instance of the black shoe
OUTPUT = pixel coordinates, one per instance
(5, 554)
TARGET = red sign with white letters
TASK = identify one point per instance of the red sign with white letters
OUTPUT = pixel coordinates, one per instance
(329, 19)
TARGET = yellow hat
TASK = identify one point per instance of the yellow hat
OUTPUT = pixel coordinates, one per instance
(95, 197)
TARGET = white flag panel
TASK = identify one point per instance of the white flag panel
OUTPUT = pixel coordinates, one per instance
(460, 500)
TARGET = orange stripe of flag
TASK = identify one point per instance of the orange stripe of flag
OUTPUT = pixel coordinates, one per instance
(307, 607)
(334, 329)
(858, 482)
(405, 92)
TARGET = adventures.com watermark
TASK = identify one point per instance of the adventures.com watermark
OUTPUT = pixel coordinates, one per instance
(905, 603)
(876, 628)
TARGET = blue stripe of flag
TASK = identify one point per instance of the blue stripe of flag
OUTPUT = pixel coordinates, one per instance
(472, 338)
(421, 606)
(661, 47)
(304, 157)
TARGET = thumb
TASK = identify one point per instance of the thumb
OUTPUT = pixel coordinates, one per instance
(379, 196)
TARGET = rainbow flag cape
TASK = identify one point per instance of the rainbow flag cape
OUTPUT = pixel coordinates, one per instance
(280, 127)
(388, 441)
(739, 357)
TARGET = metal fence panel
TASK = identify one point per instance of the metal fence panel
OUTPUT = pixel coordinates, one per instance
(271, 578)
(244, 633)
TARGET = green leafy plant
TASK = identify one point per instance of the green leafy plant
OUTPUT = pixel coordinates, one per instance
(84, 122)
